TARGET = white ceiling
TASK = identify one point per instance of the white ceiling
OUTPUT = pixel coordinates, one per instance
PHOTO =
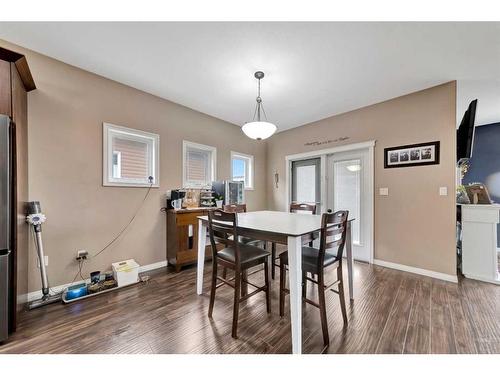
(313, 70)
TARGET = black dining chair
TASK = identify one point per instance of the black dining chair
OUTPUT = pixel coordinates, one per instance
(241, 208)
(294, 208)
(223, 229)
(315, 261)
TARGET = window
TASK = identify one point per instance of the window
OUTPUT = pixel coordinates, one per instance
(198, 164)
(130, 157)
(242, 169)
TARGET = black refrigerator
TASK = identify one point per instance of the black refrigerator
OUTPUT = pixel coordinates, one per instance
(5, 225)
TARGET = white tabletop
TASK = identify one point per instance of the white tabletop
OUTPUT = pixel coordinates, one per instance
(290, 224)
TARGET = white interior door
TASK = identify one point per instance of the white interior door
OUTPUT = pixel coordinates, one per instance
(348, 179)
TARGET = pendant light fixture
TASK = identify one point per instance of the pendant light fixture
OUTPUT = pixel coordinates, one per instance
(258, 129)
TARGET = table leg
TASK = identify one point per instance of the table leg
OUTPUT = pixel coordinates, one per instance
(202, 239)
(295, 268)
(350, 261)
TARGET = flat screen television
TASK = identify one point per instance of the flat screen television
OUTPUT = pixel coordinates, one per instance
(465, 133)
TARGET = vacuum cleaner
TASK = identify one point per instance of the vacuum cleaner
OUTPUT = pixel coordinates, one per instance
(36, 218)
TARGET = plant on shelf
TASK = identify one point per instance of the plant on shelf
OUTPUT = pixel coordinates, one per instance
(218, 199)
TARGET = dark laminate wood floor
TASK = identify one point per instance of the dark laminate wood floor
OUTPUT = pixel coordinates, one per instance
(394, 312)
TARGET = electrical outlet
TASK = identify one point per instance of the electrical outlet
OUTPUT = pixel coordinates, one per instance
(46, 257)
(82, 255)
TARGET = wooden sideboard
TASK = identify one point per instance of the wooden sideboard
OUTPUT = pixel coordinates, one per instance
(182, 236)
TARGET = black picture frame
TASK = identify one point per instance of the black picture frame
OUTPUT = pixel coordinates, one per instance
(412, 155)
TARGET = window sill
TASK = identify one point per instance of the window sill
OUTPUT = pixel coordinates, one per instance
(123, 184)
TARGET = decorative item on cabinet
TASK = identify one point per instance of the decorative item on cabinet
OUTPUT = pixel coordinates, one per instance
(206, 198)
(182, 236)
(190, 200)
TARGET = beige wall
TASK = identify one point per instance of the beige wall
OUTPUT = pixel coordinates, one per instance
(414, 226)
(66, 113)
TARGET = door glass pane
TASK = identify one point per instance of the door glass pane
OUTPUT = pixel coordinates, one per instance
(347, 192)
(306, 183)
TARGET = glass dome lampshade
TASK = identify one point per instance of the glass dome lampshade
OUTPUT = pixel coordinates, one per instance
(259, 129)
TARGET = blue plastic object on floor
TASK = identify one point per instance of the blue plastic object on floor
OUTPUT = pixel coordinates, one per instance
(76, 291)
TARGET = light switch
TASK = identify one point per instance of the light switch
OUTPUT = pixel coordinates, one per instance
(383, 191)
(443, 190)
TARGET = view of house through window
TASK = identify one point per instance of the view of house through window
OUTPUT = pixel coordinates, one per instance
(130, 156)
(130, 159)
(242, 169)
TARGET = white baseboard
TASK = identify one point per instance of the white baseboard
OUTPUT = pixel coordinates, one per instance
(24, 298)
(418, 271)
(153, 266)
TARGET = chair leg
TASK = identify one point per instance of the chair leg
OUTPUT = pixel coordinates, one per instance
(224, 273)
(282, 289)
(273, 260)
(244, 284)
(213, 289)
(268, 287)
(322, 308)
(236, 306)
(341, 295)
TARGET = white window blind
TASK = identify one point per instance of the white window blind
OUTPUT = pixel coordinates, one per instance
(199, 164)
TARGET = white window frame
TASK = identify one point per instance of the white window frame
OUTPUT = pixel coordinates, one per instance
(213, 164)
(108, 130)
(249, 170)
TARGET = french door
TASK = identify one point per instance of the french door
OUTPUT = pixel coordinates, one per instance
(348, 176)
(306, 182)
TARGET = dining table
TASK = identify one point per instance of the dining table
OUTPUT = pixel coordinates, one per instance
(292, 230)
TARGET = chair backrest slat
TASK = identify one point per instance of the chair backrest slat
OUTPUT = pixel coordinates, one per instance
(296, 207)
(333, 234)
(238, 208)
(333, 245)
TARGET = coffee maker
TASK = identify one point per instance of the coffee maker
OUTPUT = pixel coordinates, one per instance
(174, 195)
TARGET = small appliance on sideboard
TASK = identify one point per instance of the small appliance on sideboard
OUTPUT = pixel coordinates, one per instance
(232, 192)
(175, 197)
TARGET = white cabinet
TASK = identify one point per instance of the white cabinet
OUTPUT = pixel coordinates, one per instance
(479, 242)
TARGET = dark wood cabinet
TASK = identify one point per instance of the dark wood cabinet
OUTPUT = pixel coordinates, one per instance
(182, 236)
(15, 82)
